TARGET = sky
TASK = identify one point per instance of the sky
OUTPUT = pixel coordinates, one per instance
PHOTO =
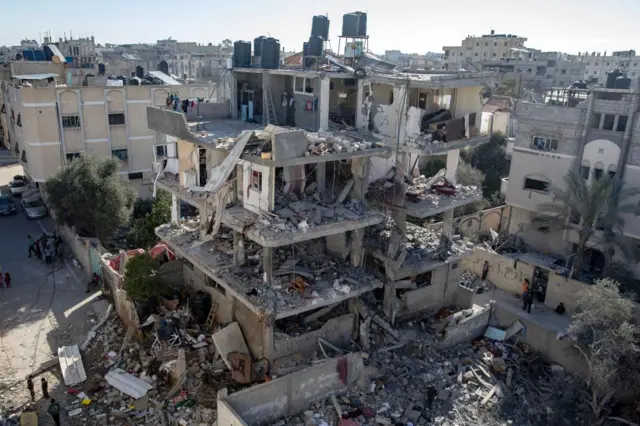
(412, 26)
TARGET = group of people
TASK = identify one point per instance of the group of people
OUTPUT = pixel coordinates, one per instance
(5, 280)
(45, 245)
(54, 406)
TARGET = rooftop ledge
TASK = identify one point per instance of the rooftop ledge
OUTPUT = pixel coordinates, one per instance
(318, 270)
(421, 147)
(420, 250)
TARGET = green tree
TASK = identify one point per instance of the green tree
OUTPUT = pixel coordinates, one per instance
(588, 207)
(469, 175)
(491, 160)
(608, 341)
(89, 194)
(140, 279)
(148, 215)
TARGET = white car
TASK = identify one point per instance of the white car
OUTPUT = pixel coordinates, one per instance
(17, 187)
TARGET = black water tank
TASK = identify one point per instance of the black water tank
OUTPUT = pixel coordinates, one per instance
(350, 25)
(270, 53)
(163, 66)
(362, 23)
(611, 78)
(315, 46)
(140, 71)
(102, 69)
(242, 54)
(320, 27)
(622, 82)
(257, 45)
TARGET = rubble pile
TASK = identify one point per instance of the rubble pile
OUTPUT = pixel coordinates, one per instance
(324, 143)
(437, 192)
(484, 382)
(417, 244)
(472, 282)
(294, 214)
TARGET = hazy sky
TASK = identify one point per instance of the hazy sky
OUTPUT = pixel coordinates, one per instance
(409, 25)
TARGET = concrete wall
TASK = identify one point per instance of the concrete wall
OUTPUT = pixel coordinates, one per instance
(552, 241)
(441, 292)
(124, 307)
(289, 395)
(386, 103)
(505, 276)
(225, 303)
(468, 328)
(37, 67)
(544, 341)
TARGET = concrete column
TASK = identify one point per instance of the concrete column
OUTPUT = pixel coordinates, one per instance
(238, 249)
(362, 110)
(267, 264)
(324, 103)
(615, 121)
(447, 223)
(175, 209)
(601, 125)
(359, 168)
(204, 223)
(403, 101)
(357, 247)
(585, 128)
(388, 303)
(321, 177)
(453, 157)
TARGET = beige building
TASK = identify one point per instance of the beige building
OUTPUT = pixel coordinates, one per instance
(598, 64)
(49, 126)
(596, 131)
(481, 49)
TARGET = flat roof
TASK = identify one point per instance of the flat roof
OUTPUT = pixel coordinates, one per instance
(35, 76)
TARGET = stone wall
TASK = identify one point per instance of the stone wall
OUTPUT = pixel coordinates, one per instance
(468, 328)
(289, 395)
(113, 284)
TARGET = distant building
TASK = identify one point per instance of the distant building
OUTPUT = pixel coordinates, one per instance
(597, 65)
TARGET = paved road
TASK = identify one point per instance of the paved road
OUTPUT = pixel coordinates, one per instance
(32, 313)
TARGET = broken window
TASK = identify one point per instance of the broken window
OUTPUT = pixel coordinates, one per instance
(116, 119)
(303, 85)
(544, 143)
(609, 119)
(161, 151)
(424, 279)
(72, 156)
(256, 180)
(70, 122)
(135, 176)
(533, 184)
(120, 154)
(622, 123)
(382, 93)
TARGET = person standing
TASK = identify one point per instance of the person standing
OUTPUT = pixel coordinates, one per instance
(485, 270)
(7, 279)
(30, 387)
(32, 245)
(54, 410)
(45, 387)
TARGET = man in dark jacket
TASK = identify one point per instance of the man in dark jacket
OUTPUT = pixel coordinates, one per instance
(30, 387)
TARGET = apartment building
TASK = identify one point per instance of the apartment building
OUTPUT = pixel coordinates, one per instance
(50, 125)
(597, 65)
(487, 47)
(300, 213)
(596, 131)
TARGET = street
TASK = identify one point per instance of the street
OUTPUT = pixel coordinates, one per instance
(34, 313)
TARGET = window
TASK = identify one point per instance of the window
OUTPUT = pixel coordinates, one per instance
(494, 54)
(120, 154)
(454, 266)
(597, 173)
(544, 144)
(424, 279)
(612, 174)
(116, 119)
(161, 151)
(506, 44)
(563, 72)
(486, 43)
(475, 54)
(477, 44)
(256, 180)
(596, 63)
(136, 175)
(70, 122)
(609, 119)
(588, 63)
(607, 63)
(584, 172)
(302, 85)
(533, 184)
(73, 155)
(622, 123)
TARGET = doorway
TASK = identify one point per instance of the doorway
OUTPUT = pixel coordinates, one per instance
(202, 166)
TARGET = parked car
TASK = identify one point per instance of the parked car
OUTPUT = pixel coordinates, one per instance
(34, 208)
(7, 206)
(17, 187)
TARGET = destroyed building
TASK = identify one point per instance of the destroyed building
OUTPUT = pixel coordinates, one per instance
(289, 221)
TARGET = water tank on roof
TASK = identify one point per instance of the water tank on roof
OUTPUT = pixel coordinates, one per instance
(163, 66)
(350, 25)
(320, 27)
(306, 60)
(242, 54)
(140, 72)
(611, 78)
(257, 45)
(316, 46)
(270, 53)
(362, 23)
(102, 69)
(622, 82)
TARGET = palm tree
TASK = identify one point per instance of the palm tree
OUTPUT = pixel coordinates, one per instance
(586, 207)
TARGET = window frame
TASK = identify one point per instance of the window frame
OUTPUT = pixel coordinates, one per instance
(71, 122)
(70, 156)
(548, 143)
(114, 115)
(113, 154)
(255, 181)
(539, 191)
(304, 85)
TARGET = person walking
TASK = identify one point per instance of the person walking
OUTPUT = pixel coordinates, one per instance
(45, 387)
(30, 387)
(7, 279)
(54, 410)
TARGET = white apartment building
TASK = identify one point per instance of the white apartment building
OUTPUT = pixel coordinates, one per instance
(596, 131)
(597, 65)
(477, 50)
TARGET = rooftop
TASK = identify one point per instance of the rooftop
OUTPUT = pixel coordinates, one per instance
(427, 197)
(326, 280)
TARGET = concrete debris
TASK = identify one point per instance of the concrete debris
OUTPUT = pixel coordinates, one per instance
(324, 143)
(474, 283)
(437, 193)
